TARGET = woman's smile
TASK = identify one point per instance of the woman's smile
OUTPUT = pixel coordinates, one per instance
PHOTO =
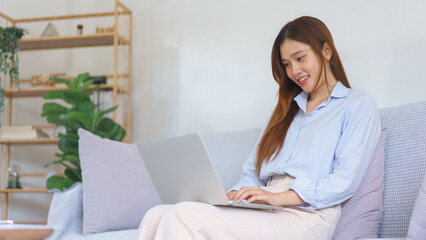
(303, 80)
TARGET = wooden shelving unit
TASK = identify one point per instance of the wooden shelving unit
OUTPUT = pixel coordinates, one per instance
(121, 82)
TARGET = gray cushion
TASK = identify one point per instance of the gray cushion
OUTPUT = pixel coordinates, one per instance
(361, 214)
(405, 165)
(66, 212)
(117, 189)
(417, 228)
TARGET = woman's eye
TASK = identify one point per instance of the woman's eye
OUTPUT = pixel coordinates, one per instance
(300, 58)
(286, 64)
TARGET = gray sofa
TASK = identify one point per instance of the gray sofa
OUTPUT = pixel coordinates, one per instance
(405, 166)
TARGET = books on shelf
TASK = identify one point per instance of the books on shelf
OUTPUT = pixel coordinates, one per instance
(21, 132)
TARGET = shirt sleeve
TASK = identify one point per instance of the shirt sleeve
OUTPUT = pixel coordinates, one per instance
(249, 177)
(360, 133)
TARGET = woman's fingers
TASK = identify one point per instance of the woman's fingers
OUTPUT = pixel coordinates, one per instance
(258, 195)
(241, 194)
(256, 198)
(231, 195)
(238, 194)
(244, 193)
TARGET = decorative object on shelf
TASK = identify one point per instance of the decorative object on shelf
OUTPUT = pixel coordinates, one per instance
(43, 79)
(59, 129)
(99, 80)
(80, 29)
(81, 114)
(50, 31)
(15, 172)
(102, 30)
(21, 132)
(9, 62)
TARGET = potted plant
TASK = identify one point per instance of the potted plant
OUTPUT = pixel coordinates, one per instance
(9, 63)
(80, 113)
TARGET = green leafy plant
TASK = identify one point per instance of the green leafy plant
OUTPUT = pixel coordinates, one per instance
(9, 62)
(81, 113)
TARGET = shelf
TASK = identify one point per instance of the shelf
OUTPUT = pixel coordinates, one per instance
(70, 78)
(30, 223)
(34, 175)
(23, 190)
(30, 141)
(88, 40)
(39, 91)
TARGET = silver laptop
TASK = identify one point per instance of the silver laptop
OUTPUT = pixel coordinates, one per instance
(181, 170)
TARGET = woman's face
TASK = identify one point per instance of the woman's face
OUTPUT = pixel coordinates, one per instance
(302, 65)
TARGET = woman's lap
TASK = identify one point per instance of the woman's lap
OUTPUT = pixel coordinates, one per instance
(193, 220)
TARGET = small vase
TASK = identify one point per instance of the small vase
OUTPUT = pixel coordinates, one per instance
(14, 175)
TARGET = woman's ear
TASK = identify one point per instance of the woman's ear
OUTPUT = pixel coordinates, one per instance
(326, 51)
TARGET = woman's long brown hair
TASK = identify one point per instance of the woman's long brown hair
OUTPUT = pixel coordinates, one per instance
(315, 33)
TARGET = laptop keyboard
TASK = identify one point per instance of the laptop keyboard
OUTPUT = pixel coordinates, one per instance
(239, 203)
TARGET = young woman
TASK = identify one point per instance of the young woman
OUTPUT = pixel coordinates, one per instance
(312, 154)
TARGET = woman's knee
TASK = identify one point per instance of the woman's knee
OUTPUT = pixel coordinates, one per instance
(155, 213)
(190, 207)
(186, 210)
(157, 210)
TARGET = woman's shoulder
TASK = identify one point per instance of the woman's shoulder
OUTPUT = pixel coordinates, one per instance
(350, 96)
(358, 97)
(358, 101)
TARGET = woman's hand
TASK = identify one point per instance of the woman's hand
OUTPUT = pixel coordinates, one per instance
(258, 195)
(261, 196)
(231, 194)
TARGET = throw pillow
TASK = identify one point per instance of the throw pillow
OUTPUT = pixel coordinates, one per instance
(117, 188)
(361, 215)
(66, 212)
(417, 228)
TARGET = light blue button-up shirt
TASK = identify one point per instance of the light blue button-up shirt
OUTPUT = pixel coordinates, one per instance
(327, 152)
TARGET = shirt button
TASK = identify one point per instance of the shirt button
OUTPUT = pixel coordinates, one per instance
(279, 170)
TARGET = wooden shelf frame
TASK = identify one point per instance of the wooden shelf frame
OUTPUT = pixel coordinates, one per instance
(39, 91)
(32, 223)
(114, 39)
(24, 190)
(73, 41)
(73, 16)
(70, 78)
(43, 175)
(37, 141)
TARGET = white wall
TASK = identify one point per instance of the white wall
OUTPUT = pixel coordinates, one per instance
(204, 66)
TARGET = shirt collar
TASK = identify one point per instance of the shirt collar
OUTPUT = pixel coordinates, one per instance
(339, 91)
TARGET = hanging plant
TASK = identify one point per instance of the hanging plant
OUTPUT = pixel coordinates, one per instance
(9, 62)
